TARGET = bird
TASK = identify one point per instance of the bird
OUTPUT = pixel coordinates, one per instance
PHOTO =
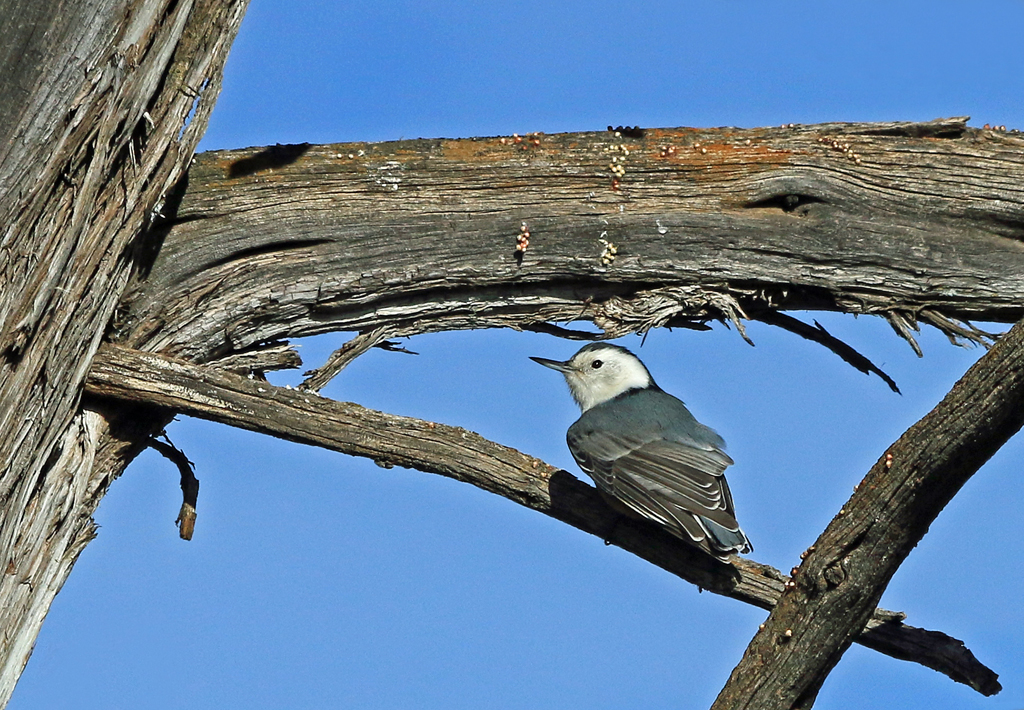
(648, 455)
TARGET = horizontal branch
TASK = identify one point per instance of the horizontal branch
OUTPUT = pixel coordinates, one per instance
(304, 417)
(912, 221)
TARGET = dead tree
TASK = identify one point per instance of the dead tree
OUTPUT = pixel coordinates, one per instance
(184, 282)
(103, 104)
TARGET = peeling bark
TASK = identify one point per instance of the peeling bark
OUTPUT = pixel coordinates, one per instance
(913, 222)
(672, 227)
(94, 129)
(419, 236)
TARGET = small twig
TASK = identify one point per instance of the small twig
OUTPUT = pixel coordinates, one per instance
(392, 347)
(903, 328)
(685, 323)
(819, 335)
(955, 329)
(271, 356)
(567, 333)
(340, 358)
(186, 520)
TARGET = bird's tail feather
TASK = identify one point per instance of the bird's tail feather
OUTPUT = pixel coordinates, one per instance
(725, 539)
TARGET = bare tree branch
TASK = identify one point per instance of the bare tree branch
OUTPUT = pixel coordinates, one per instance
(104, 103)
(819, 335)
(299, 416)
(340, 358)
(837, 586)
(419, 235)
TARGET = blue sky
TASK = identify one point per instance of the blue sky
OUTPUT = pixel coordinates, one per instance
(316, 579)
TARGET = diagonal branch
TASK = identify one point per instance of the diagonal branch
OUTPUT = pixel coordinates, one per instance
(342, 357)
(819, 335)
(303, 417)
(844, 574)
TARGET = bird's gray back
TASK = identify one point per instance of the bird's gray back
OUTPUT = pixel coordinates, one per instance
(647, 414)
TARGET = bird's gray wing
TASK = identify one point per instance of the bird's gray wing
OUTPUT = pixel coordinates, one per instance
(665, 480)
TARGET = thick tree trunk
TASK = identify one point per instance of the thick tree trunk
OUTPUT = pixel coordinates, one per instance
(95, 127)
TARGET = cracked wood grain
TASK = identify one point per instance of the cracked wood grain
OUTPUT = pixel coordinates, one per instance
(418, 236)
(103, 104)
(914, 222)
(908, 221)
(301, 416)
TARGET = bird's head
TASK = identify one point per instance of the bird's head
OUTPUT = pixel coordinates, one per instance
(599, 372)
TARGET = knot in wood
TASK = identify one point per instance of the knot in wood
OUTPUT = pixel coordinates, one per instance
(834, 574)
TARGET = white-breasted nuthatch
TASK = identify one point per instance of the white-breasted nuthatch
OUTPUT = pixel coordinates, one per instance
(647, 454)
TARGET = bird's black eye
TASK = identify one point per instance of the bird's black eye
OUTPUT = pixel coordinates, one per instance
(596, 364)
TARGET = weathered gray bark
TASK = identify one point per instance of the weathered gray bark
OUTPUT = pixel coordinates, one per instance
(416, 236)
(95, 101)
(911, 221)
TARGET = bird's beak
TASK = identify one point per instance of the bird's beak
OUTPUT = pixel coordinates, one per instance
(553, 364)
